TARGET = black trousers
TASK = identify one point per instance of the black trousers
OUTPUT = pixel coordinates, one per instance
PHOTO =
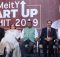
(27, 50)
(48, 47)
(2, 56)
(59, 41)
(30, 44)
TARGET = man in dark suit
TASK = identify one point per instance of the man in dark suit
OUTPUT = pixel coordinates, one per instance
(48, 35)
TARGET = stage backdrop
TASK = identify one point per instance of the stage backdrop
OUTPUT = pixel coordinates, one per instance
(18, 12)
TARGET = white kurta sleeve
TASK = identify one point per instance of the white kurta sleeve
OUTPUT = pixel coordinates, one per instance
(58, 33)
(36, 33)
(18, 34)
(22, 34)
(6, 45)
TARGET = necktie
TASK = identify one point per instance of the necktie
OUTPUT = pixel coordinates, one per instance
(49, 32)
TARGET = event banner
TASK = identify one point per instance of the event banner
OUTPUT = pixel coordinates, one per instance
(18, 12)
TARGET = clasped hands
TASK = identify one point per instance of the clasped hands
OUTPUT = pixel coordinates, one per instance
(48, 39)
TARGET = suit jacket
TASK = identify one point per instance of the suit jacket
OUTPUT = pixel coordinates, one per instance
(2, 33)
(44, 34)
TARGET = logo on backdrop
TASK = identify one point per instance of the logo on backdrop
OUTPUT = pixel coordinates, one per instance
(19, 12)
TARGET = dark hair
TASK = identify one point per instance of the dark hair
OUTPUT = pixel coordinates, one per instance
(29, 21)
(49, 20)
(11, 25)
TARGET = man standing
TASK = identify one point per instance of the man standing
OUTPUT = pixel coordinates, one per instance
(48, 35)
(29, 36)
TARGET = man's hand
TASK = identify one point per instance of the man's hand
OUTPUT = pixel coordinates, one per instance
(48, 39)
(37, 39)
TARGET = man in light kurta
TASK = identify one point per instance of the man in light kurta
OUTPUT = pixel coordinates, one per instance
(11, 36)
(29, 36)
(29, 33)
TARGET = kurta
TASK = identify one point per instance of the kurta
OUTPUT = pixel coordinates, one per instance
(3, 45)
(10, 37)
(29, 33)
